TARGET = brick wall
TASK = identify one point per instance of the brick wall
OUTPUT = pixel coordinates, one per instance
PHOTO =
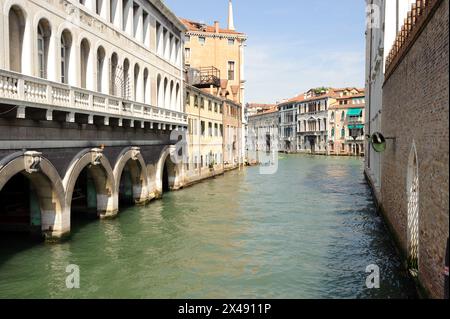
(416, 110)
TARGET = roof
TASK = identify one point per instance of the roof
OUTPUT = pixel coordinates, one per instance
(194, 26)
(332, 93)
(271, 110)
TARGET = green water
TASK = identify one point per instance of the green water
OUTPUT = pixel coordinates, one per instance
(308, 231)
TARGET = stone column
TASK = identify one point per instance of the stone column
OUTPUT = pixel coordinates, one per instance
(138, 24)
(3, 46)
(147, 31)
(53, 59)
(128, 17)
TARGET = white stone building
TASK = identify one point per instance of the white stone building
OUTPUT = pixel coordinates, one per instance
(263, 133)
(121, 57)
(313, 121)
(287, 112)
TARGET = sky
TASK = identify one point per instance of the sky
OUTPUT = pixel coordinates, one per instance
(293, 45)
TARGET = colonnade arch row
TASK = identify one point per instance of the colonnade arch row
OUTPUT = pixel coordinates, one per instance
(82, 61)
(54, 214)
(132, 159)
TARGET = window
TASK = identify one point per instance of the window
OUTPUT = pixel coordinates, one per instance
(215, 107)
(202, 128)
(209, 106)
(64, 51)
(202, 103)
(342, 116)
(42, 63)
(196, 100)
(216, 130)
(332, 132)
(210, 130)
(201, 40)
(187, 38)
(188, 98)
(231, 70)
(187, 53)
(230, 41)
(343, 132)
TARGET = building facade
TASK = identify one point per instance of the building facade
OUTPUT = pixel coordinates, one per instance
(232, 124)
(411, 182)
(313, 120)
(90, 94)
(287, 128)
(215, 56)
(346, 118)
(263, 133)
(205, 156)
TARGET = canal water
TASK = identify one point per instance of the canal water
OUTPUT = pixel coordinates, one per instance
(308, 231)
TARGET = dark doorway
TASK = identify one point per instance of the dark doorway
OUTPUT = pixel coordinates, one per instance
(165, 179)
(126, 188)
(19, 207)
(84, 197)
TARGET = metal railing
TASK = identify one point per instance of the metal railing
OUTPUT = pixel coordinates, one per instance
(16, 87)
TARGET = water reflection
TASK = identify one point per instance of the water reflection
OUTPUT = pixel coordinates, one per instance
(308, 231)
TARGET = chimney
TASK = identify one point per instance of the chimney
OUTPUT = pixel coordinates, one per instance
(230, 16)
(216, 26)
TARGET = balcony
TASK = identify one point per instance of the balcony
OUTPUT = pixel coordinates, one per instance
(25, 91)
(204, 77)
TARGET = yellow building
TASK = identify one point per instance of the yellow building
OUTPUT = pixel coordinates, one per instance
(214, 61)
(204, 136)
(223, 49)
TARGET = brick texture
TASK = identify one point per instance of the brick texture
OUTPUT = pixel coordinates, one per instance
(416, 110)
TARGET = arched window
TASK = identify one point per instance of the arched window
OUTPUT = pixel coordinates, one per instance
(113, 81)
(136, 92)
(126, 94)
(66, 45)
(85, 49)
(343, 132)
(43, 43)
(172, 95)
(159, 91)
(332, 132)
(17, 22)
(166, 93)
(146, 87)
(177, 98)
(101, 86)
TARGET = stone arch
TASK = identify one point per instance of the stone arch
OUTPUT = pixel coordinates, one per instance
(412, 191)
(55, 216)
(139, 176)
(103, 176)
(173, 171)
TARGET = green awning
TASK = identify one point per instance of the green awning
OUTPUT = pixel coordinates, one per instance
(358, 126)
(354, 112)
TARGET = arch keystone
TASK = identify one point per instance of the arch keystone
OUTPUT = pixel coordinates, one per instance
(32, 161)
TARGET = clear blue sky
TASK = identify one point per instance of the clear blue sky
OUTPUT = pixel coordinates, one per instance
(293, 45)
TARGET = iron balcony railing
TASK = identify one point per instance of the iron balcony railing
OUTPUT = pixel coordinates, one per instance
(204, 77)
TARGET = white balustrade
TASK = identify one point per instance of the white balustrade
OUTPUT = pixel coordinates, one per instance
(19, 87)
